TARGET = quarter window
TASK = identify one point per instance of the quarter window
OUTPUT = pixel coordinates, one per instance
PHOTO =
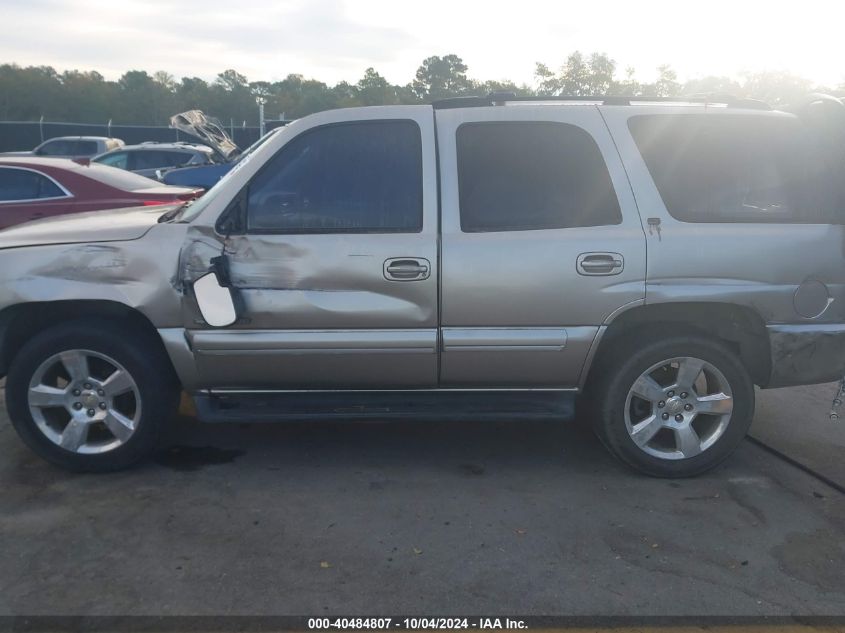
(362, 177)
(22, 184)
(728, 168)
(152, 159)
(518, 176)
(64, 147)
(116, 159)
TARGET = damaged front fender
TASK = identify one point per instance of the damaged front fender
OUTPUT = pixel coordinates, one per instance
(141, 274)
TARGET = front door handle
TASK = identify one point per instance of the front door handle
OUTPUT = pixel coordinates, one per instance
(600, 264)
(407, 269)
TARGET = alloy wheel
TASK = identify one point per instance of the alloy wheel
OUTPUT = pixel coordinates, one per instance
(84, 401)
(678, 408)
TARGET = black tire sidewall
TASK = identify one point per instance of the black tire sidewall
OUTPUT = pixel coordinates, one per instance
(136, 351)
(621, 370)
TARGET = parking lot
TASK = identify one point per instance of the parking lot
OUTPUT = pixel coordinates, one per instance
(422, 518)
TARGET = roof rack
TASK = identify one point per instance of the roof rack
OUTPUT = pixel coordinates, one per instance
(501, 98)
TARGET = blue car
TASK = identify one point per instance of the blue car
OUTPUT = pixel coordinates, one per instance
(206, 176)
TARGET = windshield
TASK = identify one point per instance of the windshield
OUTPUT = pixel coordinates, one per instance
(193, 209)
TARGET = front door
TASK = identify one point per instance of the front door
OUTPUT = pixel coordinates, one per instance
(336, 266)
(541, 243)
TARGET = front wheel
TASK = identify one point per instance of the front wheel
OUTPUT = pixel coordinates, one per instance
(675, 406)
(90, 396)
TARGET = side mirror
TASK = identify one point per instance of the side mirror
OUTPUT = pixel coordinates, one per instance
(215, 301)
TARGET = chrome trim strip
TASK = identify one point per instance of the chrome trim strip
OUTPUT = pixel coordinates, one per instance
(315, 350)
(423, 390)
(67, 193)
(503, 339)
(214, 342)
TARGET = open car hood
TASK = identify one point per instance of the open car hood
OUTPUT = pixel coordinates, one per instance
(208, 130)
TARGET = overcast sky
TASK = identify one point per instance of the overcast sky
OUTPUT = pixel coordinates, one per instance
(332, 40)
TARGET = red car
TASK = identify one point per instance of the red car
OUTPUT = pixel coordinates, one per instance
(32, 188)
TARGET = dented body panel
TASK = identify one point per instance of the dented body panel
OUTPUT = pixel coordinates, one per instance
(805, 354)
(139, 274)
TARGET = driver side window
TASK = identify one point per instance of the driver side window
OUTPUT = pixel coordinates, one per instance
(361, 177)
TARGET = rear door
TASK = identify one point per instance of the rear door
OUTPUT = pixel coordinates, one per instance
(541, 243)
(744, 210)
(336, 265)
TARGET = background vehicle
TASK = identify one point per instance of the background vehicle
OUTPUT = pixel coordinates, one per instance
(206, 176)
(147, 159)
(484, 257)
(72, 147)
(34, 188)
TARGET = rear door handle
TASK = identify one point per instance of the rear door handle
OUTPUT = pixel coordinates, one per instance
(600, 264)
(407, 269)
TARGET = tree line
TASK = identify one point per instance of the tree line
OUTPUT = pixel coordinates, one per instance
(31, 92)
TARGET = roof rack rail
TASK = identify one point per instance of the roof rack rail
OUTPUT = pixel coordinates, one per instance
(500, 98)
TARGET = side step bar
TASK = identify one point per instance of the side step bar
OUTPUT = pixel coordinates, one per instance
(385, 405)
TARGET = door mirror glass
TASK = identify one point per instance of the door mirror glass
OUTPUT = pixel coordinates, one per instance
(215, 301)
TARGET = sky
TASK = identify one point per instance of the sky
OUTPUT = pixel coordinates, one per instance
(335, 40)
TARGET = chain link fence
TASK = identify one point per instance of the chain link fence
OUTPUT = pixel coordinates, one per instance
(25, 135)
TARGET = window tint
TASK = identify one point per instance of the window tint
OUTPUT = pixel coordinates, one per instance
(519, 176)
(356, 177)
(20, 184)
(66, 147)
(118, 159)
(55, 148)
(724, 168)
(85, 148)
(151, 159)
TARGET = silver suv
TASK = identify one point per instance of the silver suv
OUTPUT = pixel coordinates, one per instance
(649, 262)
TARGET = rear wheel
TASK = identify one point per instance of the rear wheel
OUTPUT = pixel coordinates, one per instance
(674, 406)
(90, 396)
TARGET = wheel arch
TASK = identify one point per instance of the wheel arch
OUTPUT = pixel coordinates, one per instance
(740, 327)
(20, 322)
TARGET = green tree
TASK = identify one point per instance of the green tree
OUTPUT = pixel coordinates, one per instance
(441, 78)
(667, 82)
(231, 80)
(548, 83)
(629, 86)
(137, 99)
(776, 87)
(578, 76)
(373, 89)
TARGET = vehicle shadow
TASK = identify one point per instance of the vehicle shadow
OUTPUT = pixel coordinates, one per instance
(468, 448)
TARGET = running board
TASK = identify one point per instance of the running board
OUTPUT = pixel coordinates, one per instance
(456, 406)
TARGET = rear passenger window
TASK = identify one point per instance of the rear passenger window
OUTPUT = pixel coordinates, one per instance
(152, 159)
(519, 176)
(362, 177)
(17, 185)
(726, 168)
(117, 159)
(85, 148)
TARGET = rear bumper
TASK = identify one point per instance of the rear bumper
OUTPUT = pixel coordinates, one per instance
(806, 354)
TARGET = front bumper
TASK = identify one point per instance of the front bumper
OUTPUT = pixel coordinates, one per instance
(806, 354)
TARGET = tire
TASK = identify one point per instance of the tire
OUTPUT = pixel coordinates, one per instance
(100, 415)
(626, 405)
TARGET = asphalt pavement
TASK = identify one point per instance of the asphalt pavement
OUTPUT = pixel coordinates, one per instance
(429, 518)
